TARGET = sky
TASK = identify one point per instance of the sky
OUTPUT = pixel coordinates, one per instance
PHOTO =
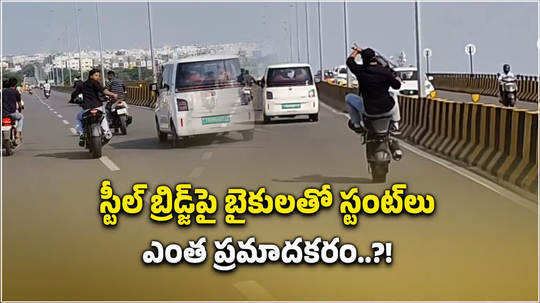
(502, 32)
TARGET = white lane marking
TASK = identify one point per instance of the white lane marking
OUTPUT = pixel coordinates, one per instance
(60, 116)
(65, 122)
(517, 199)
(253, 290)
(51, 109)
(109, 163)
(54, 112)
(196, 172)
(206, 155)
(73, 131)
(510, 195)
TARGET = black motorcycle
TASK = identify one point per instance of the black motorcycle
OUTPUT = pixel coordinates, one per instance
(94, 137)
(47, 93)
(118, 116)
(381, 148)
(9, 141)
(508, 91)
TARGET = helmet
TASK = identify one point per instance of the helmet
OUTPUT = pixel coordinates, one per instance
(506, 68)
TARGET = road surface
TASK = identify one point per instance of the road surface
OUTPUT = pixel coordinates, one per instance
(479, 245)
(464, 97)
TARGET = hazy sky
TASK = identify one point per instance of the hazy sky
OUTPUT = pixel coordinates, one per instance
(502, 32)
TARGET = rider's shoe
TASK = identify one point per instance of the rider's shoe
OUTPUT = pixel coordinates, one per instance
(397, 154)
(82, 140)
(394, 129)
(358, 130)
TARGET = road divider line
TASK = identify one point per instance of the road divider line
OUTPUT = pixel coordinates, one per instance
(513, 197)
(60, 116)
(73, 131)
(196, 172)
(109, 163)
(253, 290)
(65, 122)
(206, 155)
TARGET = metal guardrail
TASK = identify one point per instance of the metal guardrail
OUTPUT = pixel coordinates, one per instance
(485, 84)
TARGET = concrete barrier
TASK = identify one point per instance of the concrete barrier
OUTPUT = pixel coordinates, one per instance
(497, 142)
(485, 84)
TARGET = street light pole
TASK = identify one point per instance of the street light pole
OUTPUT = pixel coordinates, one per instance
(420, 78)
(307, 31)
(78, 39)
(100, 46)
(151, 43)
(346, 28)
(320, 40)
(297, 33)
(470, 59)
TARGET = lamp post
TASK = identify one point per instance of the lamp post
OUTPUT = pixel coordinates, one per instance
(100, 46)
(307, 31)
(346, 29)
(320, 40)
(151, 42)
(420, 78)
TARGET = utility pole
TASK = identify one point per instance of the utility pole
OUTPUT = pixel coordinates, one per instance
(307, 31)
(151, 43)
(420, 78)
(69, 70)
(320, 41)
(346, 25)
(100, 46)
(297, 33)
(78, 39)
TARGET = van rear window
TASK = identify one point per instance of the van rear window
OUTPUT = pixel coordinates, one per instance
(208, 74)
(290, 76)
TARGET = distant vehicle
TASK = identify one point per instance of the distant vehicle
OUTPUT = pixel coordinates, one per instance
(508, 90)
(409, 86)
(288, 90)
(203, 95)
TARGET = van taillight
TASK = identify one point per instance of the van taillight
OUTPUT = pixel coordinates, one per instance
(182, 105)
(6, 121)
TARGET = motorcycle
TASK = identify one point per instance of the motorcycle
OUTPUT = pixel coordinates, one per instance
(118, 116)
(380, 146)
(9, 132)
(47, 93)
(94, 136)
(508, 91)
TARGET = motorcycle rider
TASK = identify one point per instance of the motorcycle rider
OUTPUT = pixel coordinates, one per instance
(373, 98)
(12, 106)
(506, 74)
(115, 85)
(92, 90)
(76, 85)
(46, 87)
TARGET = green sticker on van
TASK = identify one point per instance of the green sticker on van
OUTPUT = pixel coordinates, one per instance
(216, 119)
(290, 105)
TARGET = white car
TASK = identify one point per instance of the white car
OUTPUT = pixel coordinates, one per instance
(409, 86)
(288, 90)
(203, 95)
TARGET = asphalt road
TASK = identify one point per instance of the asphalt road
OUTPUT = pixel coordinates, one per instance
(463, 97)
(479, 245)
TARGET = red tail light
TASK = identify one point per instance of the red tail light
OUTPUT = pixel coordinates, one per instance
(182, 105)
(94, 111)
(6, 121)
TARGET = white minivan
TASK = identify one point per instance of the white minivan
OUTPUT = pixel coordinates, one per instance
(288, 90)
(203, 95)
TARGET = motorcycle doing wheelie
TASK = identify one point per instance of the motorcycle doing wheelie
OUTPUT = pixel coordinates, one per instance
(508, 91)
(118, 116)
(9, 132)
(94, 136)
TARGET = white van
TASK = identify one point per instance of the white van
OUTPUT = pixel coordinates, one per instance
(203, 95)
(288, 90)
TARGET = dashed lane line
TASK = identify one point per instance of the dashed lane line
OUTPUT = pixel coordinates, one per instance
(252, 290)
(73, 131)
(196, 172)
(65, 122)
(206, 155)
(109, 163)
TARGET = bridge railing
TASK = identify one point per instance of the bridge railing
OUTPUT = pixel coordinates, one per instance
(485, 84)
(497, 142)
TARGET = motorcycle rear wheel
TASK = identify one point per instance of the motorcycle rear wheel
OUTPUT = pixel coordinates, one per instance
(123, 125)
(378, 172)
(95, 147)
(9, 147)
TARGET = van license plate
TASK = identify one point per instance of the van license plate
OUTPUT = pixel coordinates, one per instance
(216, 119)
(290, 105)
